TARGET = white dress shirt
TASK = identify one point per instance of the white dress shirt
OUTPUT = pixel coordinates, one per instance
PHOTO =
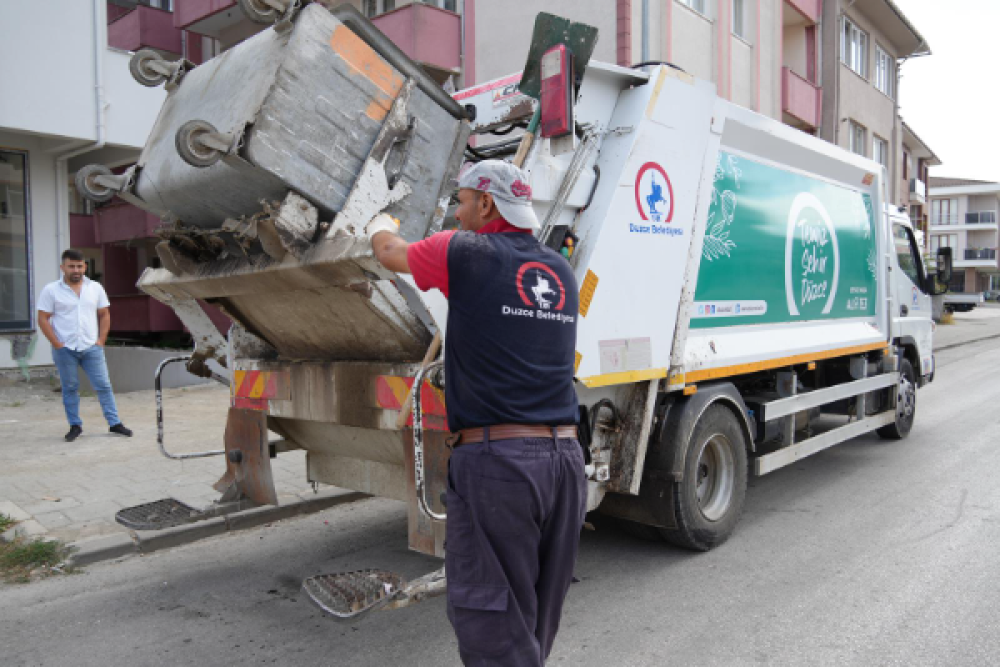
(74, 318)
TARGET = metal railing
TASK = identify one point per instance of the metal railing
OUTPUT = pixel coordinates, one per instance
(970, 218)
(980, 253)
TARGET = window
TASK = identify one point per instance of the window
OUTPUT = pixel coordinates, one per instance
(939, 241)
(375, 7)
(880, 151)
(944, 212)
(906, 253)
(854, 48)
(697, 5)
(450, 5)
(739, 19)
(15, 285)
(885, 72)
(856, 138)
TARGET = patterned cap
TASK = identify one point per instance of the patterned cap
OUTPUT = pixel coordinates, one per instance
(508, 185)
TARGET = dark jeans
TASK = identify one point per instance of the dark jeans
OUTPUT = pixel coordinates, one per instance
(515, 510)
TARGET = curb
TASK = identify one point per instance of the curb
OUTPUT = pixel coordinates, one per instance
(134, 543)
(966, 342)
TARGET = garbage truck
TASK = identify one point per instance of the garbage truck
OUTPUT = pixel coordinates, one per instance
(747, 297)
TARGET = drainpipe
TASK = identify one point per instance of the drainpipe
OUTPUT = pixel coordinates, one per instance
(62, 160)
(461, 56)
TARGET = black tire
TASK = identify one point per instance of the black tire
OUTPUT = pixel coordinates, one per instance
(86, 186)
(259, 12)
(708, 501)
(188, 147)
(906, 404)
(138, 67)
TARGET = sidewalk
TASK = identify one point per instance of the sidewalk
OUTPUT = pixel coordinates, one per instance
(71, 491)
(979, 323)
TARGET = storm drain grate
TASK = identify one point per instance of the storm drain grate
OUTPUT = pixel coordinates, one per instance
(157, 514)
(349, 594)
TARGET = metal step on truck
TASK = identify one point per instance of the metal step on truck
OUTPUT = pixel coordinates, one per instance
(748, 298)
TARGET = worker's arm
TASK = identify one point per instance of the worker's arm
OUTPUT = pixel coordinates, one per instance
(45, 325)
(389, 248)
(104, 325)
(390, 251)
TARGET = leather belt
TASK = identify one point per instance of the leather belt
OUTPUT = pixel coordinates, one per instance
(469, 436)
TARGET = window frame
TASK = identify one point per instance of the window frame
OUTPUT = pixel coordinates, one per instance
(697, 6)
(740, 21)
(29, 324)
(876, 142)
(920, 279)
(864, 45)
(885, 76)
(853, 125)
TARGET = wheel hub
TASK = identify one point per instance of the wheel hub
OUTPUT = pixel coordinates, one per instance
(716, 477)
(907, 398)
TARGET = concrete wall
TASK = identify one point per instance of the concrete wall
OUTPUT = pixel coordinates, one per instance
(694, 42)
(503, 31)
(132, 369)
(52, 42)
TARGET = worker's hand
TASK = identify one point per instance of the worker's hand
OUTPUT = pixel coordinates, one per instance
(381, 223)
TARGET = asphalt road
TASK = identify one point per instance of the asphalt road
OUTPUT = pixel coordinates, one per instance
(872, 553)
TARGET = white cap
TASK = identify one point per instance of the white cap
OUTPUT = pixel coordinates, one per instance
(508, 185)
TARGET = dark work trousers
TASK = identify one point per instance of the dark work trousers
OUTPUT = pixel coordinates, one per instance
(515, 510)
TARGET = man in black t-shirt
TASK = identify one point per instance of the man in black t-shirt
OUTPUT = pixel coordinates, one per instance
(516, 486)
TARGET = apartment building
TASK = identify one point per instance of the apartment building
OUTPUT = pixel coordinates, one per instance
(69, 100)
(913, 186)
(964, 218)
(863, 45)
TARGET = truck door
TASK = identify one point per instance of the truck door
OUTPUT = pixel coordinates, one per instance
(912, 317)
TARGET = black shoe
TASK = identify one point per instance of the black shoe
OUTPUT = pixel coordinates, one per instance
(74, 433)
(120, 429)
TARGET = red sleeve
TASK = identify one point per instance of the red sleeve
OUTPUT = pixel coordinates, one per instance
(428, 260)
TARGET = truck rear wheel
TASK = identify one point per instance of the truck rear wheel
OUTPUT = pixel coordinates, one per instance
(708, 500)
(906, 404)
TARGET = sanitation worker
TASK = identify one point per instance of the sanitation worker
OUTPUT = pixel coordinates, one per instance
(517, 491)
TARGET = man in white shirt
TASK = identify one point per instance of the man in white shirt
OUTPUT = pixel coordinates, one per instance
(75, 315)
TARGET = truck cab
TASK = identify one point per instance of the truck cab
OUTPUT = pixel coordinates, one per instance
(911, 288)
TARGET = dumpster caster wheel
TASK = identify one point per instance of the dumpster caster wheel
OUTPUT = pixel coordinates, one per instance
(87, 186)
(200, 144)
(265, 12)
(142, 69)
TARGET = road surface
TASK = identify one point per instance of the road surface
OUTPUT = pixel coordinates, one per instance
(871, 553)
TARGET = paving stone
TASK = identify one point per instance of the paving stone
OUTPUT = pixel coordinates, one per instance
(15, 512)
(53, 520)
(102, 509)
(43, 506)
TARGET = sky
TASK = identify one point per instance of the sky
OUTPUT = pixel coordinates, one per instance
(951, 98)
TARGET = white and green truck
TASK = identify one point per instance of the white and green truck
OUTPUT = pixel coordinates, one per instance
(747, 296)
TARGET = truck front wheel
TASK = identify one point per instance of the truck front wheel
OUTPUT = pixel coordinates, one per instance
(906, 403)
(708, 500)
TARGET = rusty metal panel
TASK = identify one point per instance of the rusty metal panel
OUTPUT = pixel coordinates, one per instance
(385, 480)
(246, 433)
(425, 534)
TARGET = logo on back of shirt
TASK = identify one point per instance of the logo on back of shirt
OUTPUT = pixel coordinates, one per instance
(541, 291)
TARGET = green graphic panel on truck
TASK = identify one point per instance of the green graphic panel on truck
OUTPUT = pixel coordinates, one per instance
(783, 247)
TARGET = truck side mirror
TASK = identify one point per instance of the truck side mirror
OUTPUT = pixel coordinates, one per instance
(944, 269)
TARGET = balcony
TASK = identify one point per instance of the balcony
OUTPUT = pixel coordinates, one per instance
(145, 27)
(429, 35)
(809, 9)
(141, 313)
(207, 17)
(800, 98)
(918, 191)
(83, 231)
(978, 258)
(124, 222)
(971, 221)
